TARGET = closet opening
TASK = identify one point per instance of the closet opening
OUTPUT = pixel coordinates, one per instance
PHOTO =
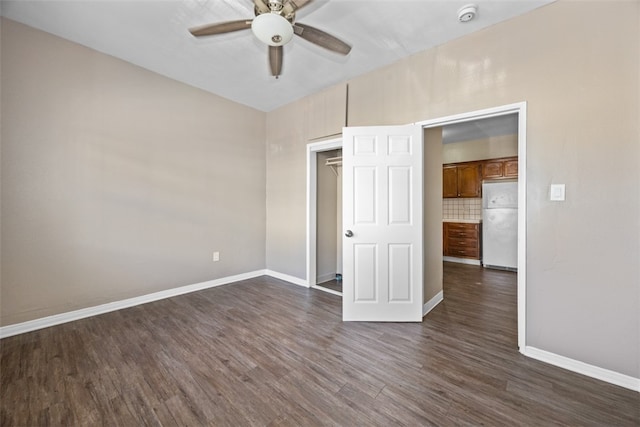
(324, 211)
(329, 220)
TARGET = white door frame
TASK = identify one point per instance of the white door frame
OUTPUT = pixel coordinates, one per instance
(312, 206)
(519, 108)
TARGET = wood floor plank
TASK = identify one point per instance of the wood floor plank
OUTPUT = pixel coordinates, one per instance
(262, 352)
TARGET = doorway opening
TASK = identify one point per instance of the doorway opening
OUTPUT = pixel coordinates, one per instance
(468, 210)
(479, 218)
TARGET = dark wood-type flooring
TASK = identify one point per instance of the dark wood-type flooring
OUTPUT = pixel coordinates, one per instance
(266, 353)
(334, 285)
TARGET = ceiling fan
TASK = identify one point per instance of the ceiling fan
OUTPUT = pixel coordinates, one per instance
(274, 25)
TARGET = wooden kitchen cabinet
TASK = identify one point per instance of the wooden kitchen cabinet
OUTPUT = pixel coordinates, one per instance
(511, 168)
(449, 181)
(470, 180)
(493, 169)
(462, 180)
(500, 168)
(461, 240)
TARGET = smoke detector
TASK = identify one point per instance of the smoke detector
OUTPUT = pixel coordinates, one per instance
(467, 13)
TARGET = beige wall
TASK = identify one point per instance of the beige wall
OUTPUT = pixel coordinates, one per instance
(1, 117)
(286, 190)
(327, 225)
(480, 149)
(432, 213)
(339, 219)
(117, 182)
(576, 65)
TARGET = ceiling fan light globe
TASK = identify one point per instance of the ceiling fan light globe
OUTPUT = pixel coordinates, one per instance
(272, 29)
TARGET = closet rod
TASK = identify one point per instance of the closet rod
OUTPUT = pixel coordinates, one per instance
(334, 161)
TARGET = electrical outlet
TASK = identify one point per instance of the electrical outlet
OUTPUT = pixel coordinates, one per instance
(216, 256)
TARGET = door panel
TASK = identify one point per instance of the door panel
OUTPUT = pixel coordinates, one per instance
(399, 195)
(365, 273)
(364, 195)
(382, 194)
(399, 269)
(364, 145)
(399, 144)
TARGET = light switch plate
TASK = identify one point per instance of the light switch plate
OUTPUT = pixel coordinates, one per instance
(557, 192)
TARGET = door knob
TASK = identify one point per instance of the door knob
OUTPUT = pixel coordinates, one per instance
(349, 233)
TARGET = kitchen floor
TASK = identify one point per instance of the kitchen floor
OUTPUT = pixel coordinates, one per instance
(488, 299)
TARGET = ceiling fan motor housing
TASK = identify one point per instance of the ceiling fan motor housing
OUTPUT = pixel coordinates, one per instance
(275, 5)
(272, 29)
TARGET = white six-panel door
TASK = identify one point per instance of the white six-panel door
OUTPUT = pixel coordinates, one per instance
(382, 221)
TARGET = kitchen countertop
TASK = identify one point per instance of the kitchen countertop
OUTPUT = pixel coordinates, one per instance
(465, 221)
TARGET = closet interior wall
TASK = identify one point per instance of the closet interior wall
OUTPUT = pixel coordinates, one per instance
(329, 218)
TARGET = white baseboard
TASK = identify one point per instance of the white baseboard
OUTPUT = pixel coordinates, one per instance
(431, 304)
(461, 260)
(57, 319)
(592, 371)
(287, 278)
(325, 277)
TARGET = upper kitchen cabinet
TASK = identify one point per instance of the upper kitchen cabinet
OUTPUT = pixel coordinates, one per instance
(511, 168)
(449, 181)
(327, 112)
(462, 180)
(470, 180)
(500, 168)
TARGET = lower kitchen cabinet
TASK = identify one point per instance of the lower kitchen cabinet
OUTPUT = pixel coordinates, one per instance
(462, 240)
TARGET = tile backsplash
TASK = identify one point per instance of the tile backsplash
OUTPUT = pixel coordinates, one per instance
(462, 208)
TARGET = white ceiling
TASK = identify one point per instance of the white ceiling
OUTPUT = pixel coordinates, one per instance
(480, 129)
(153, 34)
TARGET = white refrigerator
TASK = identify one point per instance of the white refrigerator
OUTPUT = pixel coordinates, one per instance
(500, 224)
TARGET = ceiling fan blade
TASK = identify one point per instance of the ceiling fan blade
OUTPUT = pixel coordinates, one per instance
(321, 38)
(220, 28)
(292, 5)
(275, 60)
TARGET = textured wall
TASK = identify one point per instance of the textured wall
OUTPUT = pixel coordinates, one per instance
(432, 212)
(118, 182)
